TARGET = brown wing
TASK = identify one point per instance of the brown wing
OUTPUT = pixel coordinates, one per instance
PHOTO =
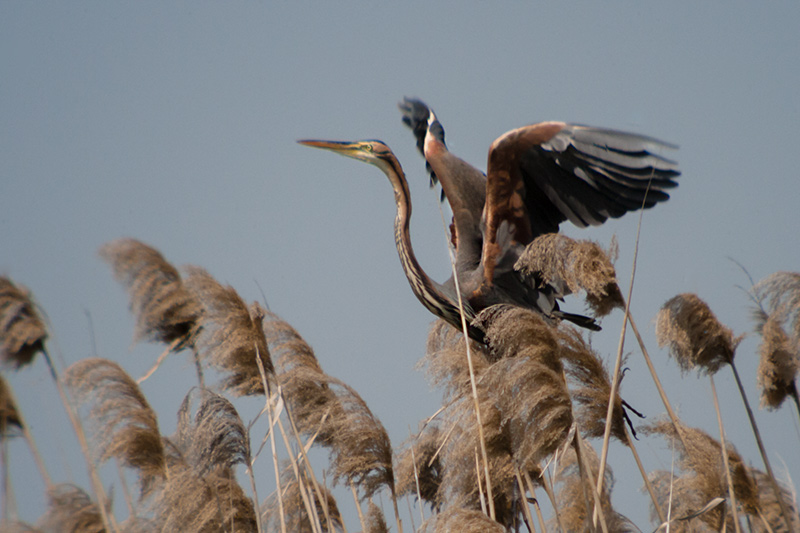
(541, 175)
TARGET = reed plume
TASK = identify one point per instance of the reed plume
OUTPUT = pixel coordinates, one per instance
(770, 506)
(698, 339)
(418, 466)
(22, 331)
(695, 337)
(525, 414)
(204, 503)
(778, 365)
(125, 426)
(778, 305)
(164, 309)
(577, 265)
(231, 336)
(592, 388)
(376, 523)
(527, 382)
(779, 295)
(70, 509)
(444, 359)
(701, 458)
(215, 436)
(10, 421)
(574, 498)
(679, 495)
(295, 513)
(324, 406)
(463, 521)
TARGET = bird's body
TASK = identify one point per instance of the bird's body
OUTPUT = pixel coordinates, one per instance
(538, 176)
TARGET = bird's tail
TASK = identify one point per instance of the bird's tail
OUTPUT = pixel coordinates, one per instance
(579, 320)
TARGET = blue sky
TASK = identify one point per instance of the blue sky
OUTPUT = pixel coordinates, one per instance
(175, 123)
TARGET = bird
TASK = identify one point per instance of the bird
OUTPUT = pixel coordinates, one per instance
(538, 176)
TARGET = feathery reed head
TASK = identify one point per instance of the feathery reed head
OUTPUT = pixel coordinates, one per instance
(463, 521)
(574, 494)
(771, 509)
(678, 494)
(361, 450)
(779, 363)
(581, 265)
(700, 455)
(22, 331)
(295, 512)
(419, 463)
(527, 382)
(232, 336)
(446, 359)
(125, 425)
(213, 501)
(778, 298)
(70, 509)
(694, 335)
(165, 311)
(779, 295)
(286, 345)
(9, 416)
(375, 522)
(215, 437)
(593, 387)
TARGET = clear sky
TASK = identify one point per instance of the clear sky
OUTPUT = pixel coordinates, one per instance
(175, 123)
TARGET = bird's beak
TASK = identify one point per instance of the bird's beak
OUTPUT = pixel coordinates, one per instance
(336, 146)
(347, 149)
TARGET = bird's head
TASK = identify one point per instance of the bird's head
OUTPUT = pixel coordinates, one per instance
(371, 151)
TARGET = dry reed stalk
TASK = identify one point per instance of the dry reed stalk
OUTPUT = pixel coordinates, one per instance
(125, 426)
(22, 331)
(574, 265)
(698, 339)
(473, 387)
(231, 334)
(726, 461)
(164, 309)
(11, 419)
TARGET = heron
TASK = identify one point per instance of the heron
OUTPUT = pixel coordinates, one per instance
(538, 176)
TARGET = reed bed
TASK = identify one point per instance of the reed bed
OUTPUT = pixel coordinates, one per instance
(530, 462)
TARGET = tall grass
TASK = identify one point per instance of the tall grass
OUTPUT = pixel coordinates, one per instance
(528, 463)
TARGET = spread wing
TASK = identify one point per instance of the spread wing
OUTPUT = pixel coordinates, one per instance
(541, 175)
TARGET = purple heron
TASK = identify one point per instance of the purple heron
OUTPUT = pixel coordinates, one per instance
(538, 176)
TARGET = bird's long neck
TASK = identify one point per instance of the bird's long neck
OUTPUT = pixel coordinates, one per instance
(427, 291)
